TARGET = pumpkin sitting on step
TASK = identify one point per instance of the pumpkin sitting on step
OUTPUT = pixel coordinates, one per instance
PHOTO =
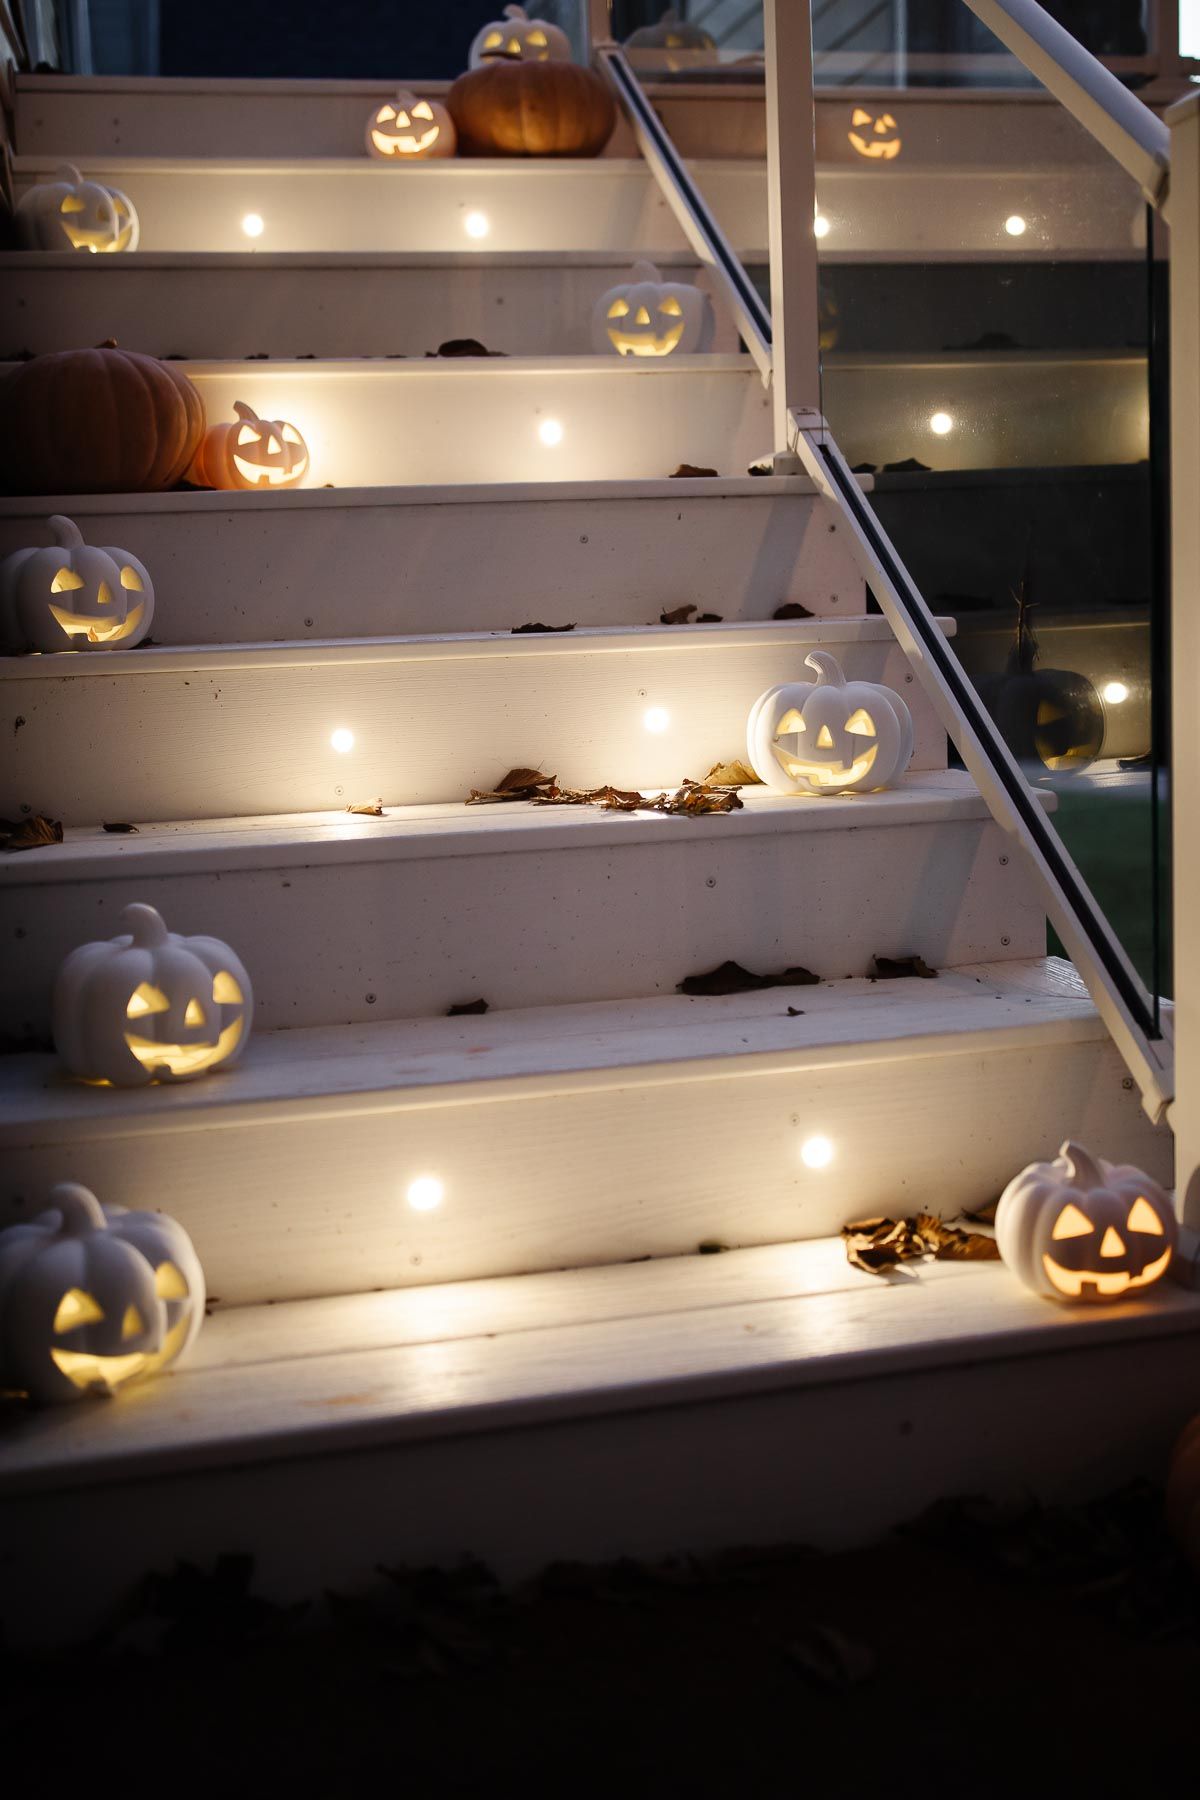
(1079, 1228)
(509, 108)
(831, 736)
(648, 316)
(1050, 718)
(70, 213)
(250, 453)
(521, 38)
(74, 596)
(150, 1006)
(92, 1297)
(410, 130)
(103, 421)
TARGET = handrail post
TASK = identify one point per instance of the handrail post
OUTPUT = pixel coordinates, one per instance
(791, 204)
(1184, 122)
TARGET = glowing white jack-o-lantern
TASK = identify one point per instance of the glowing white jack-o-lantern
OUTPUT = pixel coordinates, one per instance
(647, 316)
(250, 453)
(831, 736)
(410, 130)
(520, 39)
(92, 1297)
(673, 43)
(151, 1006)
(1079, 1228)
(73, 597)
(874, 135)
(70, 213)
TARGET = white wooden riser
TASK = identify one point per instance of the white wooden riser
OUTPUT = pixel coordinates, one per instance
(342, 919)
(249, 730)
(595, 1134)
(769, 1396)
(241, 568)
(317, 305)
(448, 421)
(612, 203)
(135, 116)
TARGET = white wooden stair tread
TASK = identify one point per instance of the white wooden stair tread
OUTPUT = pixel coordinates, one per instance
(352, 1068)
(340, 1374)
(301, 839)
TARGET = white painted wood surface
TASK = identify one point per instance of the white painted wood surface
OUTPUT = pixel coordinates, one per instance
(343, 919)
(250, 729)
(336, 305)
(236, 568)
(954, 213)
(373, 423)
(571, 1136)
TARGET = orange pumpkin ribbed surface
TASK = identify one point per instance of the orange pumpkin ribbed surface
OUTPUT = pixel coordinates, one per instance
(531, 109)
(102, 421)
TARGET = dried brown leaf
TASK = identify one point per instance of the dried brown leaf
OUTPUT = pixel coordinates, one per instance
(731, 774)
(731, 978)
(830, 1658)
(468, 1006)
(711, 1247)
(791, 609)
(682, 615)
(522, 630)
(982, 1215)
(518, 784)
(686, 471)
(464, 347)
(29, 834)
(949, 1243)
(898, 968)
(118, 825)
(368, 809)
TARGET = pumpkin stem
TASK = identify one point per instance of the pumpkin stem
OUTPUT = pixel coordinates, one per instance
(646, 271)
(79, 1207)
(145, 925)
(65, 532)
(68, 172)
(515, 12)
(829, 669)
(245, 412)
(1085, 1170)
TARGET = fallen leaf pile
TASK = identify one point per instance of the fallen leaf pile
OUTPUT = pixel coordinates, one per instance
(731, 978)
(29, 834)
(879, 1245)
(682, 615)
(691, 797)
(900, 968)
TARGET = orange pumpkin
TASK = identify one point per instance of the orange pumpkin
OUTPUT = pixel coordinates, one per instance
(103, 421)
(511, 108)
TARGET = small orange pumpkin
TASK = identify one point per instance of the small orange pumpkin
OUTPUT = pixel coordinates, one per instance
(511, 108)
(250, 453)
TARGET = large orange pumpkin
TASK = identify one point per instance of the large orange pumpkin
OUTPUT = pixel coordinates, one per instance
(103, 421)
(510, 108)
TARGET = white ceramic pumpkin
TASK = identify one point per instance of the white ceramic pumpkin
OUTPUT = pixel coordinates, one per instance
(831, 736)
(70, 213)
(410, 130)
(673, 43)
(647, 316)
(1079, 1228)
(520, 39)
(92, 1297)
(151, 1006)
(74, 596)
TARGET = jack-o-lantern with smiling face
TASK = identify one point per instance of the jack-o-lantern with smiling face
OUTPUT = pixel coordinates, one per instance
(74, 596)
(250, 453)
(647, 316)
(518, 38)
(410, 130)
(93, 1297)
(1079, 1228)
(874, 135)
(150, 1006)
(831, 736)
(70, 213)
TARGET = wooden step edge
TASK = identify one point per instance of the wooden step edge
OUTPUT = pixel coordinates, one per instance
(405, 1065)
(282, 1406)
(173, 659)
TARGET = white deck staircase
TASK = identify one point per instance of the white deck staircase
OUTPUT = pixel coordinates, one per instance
(543, 1364)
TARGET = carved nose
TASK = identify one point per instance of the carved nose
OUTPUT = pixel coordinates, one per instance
(641, 317)
(104, 594)
(1111, 1244)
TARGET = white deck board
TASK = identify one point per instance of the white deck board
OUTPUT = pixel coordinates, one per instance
(532, 1363)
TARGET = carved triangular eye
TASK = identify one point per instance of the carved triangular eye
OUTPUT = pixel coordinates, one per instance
(385, 114)
(66, 581)
(671, 307)
(1072, 1223)
(422, 110)
(131, 580)
(493, 40)
(169, 1283)
(859, 117)
(791, 721)
(247, 435)
(146, 999)
(537, 38)
(860, 724)
(71, 205)
(290, 435)
(75, 1309)
(1142, 1217)
(226, 991)
(618, 309)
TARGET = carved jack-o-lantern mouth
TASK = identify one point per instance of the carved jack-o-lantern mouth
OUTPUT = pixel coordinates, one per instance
(1129, 1254)
(411, 131)
(631, 331)
(873, 137)
(822, 762)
